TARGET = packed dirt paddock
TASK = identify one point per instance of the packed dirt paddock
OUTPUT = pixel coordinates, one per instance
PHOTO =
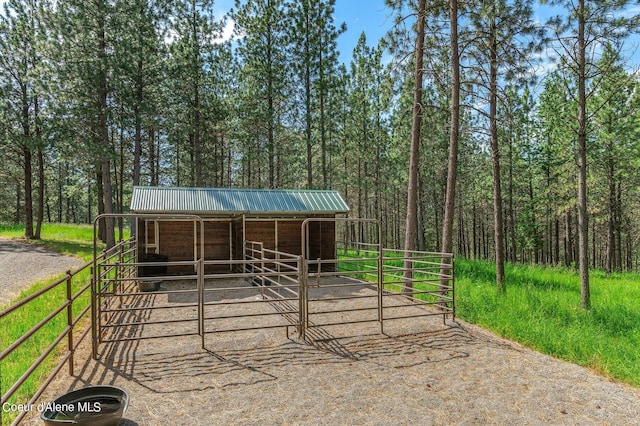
(421, 371)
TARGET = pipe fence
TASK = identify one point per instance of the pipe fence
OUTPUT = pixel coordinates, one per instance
(51, 322)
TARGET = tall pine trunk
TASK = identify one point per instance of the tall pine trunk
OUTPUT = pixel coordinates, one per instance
(109, 237)
(27, 157)
(41, 177)
(412, 197)
(495, 160)
(583, 220)
(452, 167)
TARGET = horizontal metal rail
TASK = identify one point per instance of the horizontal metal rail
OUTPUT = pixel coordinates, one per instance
(71, 301)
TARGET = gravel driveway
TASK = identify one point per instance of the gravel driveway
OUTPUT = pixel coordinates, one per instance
(23, 264)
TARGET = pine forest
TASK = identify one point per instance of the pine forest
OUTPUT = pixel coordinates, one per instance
(519, 139)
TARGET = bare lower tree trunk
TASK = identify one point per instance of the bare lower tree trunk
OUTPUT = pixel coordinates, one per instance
(28, 175)
(104, 133)
(610, 247)
(412, 197)
(452, 170)
(568, 240)
(495, 162)
(41, 182)
(583, 220)
(28, 193)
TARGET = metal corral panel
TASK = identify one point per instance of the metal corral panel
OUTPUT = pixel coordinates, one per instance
(149, 199)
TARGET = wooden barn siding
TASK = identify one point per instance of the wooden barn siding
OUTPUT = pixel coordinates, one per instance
(322, 242)
(238, 240)
(176, 242)
(261, 231)
(289, 237)
(176, 239)
(140, 233)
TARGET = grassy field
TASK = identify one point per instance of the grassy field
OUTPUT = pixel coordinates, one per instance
(541, 310)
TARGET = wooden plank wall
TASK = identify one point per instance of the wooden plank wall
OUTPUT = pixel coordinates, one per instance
(261, 231)
(289, 237)
(176, 239)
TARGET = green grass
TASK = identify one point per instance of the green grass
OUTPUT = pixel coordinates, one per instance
(67, 239)
(541, 309)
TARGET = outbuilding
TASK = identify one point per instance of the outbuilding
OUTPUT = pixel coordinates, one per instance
(231, 217)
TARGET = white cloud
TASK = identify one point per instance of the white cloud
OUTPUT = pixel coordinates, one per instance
(227, 32)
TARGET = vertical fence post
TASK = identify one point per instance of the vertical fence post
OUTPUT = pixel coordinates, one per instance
(380, 286)
(200, 284)
(304, 294)
(120, 272)
(94, 331)
(116, 279)
(262, 267)
(70, 321)
(300, 299)
(453, 287)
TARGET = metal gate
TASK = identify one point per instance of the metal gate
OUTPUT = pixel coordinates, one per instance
(124, 309)
(364, 283)
(259, 291)
(356, 282)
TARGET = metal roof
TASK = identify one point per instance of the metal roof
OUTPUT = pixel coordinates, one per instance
(152, 199)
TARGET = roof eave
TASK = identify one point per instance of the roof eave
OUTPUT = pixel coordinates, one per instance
(241, 212)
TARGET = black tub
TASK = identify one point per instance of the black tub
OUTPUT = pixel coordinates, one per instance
(153, 270)
(91, 405)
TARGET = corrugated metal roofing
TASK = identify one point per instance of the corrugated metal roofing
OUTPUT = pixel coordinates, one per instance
(150, 199)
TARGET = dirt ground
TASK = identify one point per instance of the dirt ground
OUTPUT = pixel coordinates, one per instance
(23, 264)
(420, 371)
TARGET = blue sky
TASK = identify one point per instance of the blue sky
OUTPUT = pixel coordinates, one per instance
(370, 16)
(373, 17)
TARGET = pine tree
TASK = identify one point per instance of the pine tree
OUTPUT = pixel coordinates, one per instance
(313, 40)
(195, 43)
(499, 33)
(264, 72)
(586, 26)
(22, 32)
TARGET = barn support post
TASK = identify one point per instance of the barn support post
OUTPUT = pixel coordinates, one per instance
(230, 245)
